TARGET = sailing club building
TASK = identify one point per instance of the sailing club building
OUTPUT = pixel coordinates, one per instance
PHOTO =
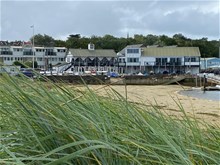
(92, 59)
(154, 59)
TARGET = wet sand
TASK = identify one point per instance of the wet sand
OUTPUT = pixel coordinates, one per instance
(167, 98)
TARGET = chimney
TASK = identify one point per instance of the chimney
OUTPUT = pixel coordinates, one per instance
(91, 46)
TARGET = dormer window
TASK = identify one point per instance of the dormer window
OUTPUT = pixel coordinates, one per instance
(133, 51)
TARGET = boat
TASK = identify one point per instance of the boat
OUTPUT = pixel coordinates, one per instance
(212, 88)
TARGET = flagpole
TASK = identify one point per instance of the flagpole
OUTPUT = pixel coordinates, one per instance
(33, 46)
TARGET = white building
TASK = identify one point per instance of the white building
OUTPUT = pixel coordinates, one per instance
(210, 63)
(92, 59)
(136, 58)
(44, 56)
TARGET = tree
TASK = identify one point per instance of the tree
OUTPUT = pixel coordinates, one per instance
(180, 39)
(60, 43)
(30, 64)
(43, 40)
(167, 41)
(18, 63)
(150, 39)
(207, 48)
(139, 38)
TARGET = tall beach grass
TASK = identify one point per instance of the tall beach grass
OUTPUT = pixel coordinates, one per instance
(48, 123)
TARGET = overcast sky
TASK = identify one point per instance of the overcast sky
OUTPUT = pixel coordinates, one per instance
(194, 19)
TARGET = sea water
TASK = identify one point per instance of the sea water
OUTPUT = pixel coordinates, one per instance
(198, 93)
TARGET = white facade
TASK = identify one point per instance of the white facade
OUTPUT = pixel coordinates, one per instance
(44, 56)
(134, 59)
(210, 63)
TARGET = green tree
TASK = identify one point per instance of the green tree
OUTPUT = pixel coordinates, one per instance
(180, 39)
(73, 41)
(167, 41)
(43, 40)
(18, 63)
(60, 43)
(150, 39)
(139, 38)
(30, 64)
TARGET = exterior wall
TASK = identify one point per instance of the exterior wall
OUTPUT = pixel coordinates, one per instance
(210, 63)
(22, 54)
(148, 61)
(96, 64)
(133, 55)
(160, 64)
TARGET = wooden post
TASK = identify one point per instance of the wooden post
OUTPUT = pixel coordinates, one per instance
(196, 81)
(204, 82)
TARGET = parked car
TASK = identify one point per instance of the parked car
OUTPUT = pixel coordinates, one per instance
(27, 72)
(112, 74)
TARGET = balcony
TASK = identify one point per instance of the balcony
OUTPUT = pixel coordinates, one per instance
(133, 63)
(175, 64)
(50, 53)
(28, 53)
(168, 64)
(121, 64)
(6, 53)
(192, 63)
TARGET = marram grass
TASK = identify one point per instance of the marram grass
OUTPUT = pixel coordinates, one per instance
(46, 123)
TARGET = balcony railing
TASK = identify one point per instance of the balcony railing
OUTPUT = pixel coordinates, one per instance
(192, 63)
(28, 53)
(50, 53)
(122, 64)
(6, 53)
(168, 64)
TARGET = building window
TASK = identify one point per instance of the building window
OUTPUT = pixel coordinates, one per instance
(191, 59)
(133, 59)
(161, 61)
(132, 51)
(61, 50)
(61, 59)
(50, 52)
(40, 59)
(39, 50)
(17, 50)
(175, 61)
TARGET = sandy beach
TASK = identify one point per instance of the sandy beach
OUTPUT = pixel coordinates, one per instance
(167, 97)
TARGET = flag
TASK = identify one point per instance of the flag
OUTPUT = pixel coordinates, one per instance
(32, 26)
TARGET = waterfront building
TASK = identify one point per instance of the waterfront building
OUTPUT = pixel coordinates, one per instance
(154, 59)
(91, 59)
(210, 63)
(44, 56)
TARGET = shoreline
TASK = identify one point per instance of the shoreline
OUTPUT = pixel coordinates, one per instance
(169, 99)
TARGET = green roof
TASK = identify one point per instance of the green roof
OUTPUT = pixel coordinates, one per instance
(171, 51)
(93, 53)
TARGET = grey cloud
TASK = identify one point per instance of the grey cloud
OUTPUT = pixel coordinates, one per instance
(61, 18)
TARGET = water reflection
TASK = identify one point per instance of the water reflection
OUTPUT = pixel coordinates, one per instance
(201, 94)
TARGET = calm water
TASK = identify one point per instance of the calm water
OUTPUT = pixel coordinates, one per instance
(198, 93)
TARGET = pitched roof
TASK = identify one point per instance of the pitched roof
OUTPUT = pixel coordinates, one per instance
(93, 53)
(171, 51)
(134, 46)
(122, 52)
